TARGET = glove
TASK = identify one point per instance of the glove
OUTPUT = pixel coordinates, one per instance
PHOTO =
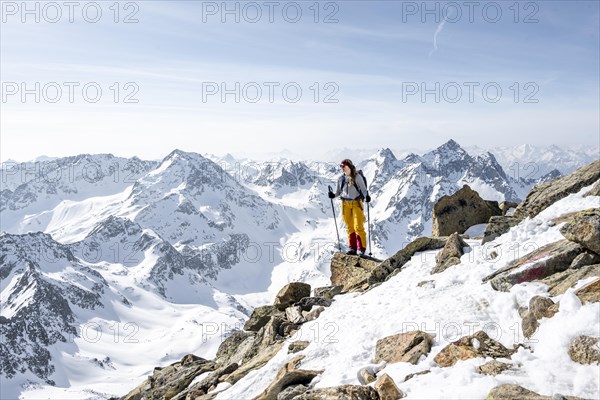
(368, 199)
(331, 195)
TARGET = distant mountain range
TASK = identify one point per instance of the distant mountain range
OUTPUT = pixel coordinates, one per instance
(99, 238)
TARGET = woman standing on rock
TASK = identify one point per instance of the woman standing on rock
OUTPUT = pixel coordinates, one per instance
(352, 189)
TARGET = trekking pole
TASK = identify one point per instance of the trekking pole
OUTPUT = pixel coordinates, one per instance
(369, 226)
(335, 220)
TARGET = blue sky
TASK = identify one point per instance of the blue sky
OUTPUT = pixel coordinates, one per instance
(367, 55)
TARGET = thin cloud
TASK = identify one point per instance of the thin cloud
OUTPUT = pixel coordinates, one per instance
(435, 35)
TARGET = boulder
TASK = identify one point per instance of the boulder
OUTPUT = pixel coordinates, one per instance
(539, 264)
(366, 376)
(171, 380)
(458, 212)
(210, 382)
(512, 392)
(403, 347)
(595, 190)
(547, 194)
(477, 345)
(290, 294)
(266, 337)
(585, 350)
(260, 316)
(307, 303)
(294, 315)
(387, 389)
(498, 226)
(539, 307)
(297, 346)
(394, 263)
(559, 283)
(587, 258)
(328, 292)
(584, 228)
(350, 271)
(493, 368)
(589, 293)
(346, 392)
(233, 348)
(256, 362)
(450, 254)
(292, 391)
(288, 375)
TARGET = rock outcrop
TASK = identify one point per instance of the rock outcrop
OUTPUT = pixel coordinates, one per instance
(541, 197)
(585, 350)
(498, 226)
(382, 271)
(290, 294)
(403, 347)
(463, 209)
(513, 392)
(584, 228)
(539, 307)
(288, 375)
(349, 392)
(450, 254)
(539, 264)
(477, 345)
(351, 272)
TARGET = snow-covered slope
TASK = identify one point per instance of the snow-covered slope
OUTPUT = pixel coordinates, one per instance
(454, 304)
(181, 250)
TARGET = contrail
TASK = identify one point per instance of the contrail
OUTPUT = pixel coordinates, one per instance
(435, 35)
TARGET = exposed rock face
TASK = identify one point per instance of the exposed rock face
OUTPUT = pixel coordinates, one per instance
(498, 226)
(539, 307)
(350, 271)
(585, 350)
(590, 293)
(233, 348)
(463, 209)
(346, 392)
(543, 262)
(260, 316)
(544, 195)
(450, 254)
(403, 347)
(290, 294)
(395, 262)
(387, 389)
(560, 282)
(169, 381)
(584, 228)
(288, 375)
(493, 368)
(477, 345)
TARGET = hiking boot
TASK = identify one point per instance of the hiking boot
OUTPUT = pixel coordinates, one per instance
(361, 252)
(351, 252)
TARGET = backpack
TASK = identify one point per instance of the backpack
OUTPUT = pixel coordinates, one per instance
(360, 193)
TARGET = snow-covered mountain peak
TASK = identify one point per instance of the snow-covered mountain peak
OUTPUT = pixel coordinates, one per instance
(450, 156)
